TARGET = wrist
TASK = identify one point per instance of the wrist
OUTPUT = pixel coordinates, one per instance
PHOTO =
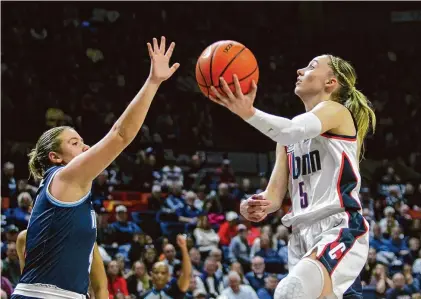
(248, 114)
(153, 81)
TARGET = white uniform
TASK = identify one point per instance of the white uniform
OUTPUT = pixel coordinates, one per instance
(325, 217)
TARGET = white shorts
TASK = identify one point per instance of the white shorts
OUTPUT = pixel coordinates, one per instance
(341, 243)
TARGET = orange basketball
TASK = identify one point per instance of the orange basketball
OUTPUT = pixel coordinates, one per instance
(224, 59)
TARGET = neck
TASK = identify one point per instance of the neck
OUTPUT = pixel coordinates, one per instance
(311, 101)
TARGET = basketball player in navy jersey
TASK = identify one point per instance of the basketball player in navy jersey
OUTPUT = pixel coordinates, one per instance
(317, 161)
(61, 234)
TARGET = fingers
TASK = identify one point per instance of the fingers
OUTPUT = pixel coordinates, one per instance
(150, 50)
(174, 67)
(170, 50)
(253, 90)
(155, 45)
(162, 45)
(226, 88)
(238, 91)
(219, 99)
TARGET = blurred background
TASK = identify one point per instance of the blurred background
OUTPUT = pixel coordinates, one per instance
(80, 63)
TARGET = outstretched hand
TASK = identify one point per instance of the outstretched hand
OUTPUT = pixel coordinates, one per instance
(160, 70)
(182, 242)
(255, 208)
(237, 102)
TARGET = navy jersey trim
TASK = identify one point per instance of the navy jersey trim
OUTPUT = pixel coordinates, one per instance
(347, 181)
(60, 203)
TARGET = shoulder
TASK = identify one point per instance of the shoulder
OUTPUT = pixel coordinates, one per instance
(22, 236)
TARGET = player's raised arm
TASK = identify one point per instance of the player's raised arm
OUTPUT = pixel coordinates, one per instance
(257, 207)
(85, 167)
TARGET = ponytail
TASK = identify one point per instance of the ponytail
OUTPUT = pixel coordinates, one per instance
(364, 116)
(353, 99)
(34, 165)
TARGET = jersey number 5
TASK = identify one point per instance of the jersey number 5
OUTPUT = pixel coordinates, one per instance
(303, 196)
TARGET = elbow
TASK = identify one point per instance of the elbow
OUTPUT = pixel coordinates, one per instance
(122, 135)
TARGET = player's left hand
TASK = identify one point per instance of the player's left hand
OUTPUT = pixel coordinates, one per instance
(160, 70)
(181, 241)
(238, 103)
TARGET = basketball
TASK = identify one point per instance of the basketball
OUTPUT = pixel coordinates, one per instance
(224, 59)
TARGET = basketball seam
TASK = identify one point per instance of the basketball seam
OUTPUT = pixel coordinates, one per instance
(231, 61)
(217, 86)
(203, 77)
(211, 62)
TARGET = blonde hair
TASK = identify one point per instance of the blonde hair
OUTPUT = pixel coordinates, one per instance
(49, 141)
(353, 99)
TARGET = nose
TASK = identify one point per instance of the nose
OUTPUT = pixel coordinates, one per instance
(85, 147)
(300, 72)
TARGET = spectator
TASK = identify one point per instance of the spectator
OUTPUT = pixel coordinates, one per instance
(369, 266)
(11, 267)
(156, 201)
(262, 185)
(266, 251)
(172, 174)
(122, 230)
(189, 213)
(228, 229)
(196, 260)
(6, 286)
(150, 257)
(236, 267)
(238, 290)
(8, 182)
(101, 191)
(162, 286)
(193, 171)
(206, 238)
(239, 250)
(414, 249)
(258, 275)
(139, 282)
(12, 232)
(400, 289)
(268, 292)
(170, 260)
(377, 241)
(379, 279)
(117, 285)
(386, 224)
(20, 215)
(396, 244)
(208, 281)
(216, 255)
(226, 173)
(175, 201)
(228, 201)
(244, 191)
(23, 186)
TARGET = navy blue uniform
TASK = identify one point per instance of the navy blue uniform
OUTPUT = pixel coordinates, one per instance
(60, 241)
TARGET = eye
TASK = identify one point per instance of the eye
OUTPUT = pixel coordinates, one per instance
(75, 143)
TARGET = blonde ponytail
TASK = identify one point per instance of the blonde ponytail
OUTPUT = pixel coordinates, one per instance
(353, 99)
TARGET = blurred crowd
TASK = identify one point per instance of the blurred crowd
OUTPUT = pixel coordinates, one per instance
(80, 64)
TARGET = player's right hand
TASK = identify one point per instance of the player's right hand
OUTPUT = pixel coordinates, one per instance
(255, 208)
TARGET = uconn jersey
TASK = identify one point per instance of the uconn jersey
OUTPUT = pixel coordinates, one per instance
(59, 246)
(323, 178)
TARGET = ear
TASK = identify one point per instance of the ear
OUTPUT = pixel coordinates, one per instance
(331, 84)
(55, 158)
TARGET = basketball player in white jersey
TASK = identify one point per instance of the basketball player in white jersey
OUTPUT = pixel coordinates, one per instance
(317, 162)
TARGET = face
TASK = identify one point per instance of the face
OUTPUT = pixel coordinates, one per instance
(263, 183)
(271, 282)
(203, 222)
(237, 268)
(243, 234)
(316, 78)
(195, 255)
(71, 146)
(372, 255)
(376, 230)
(139, 269)
(379, 269)
(9, 169)
(11, 253)
(414, 244)
(122, 216)
(395, 233)
(113, 268)
(210, 267)
(234, 283)
(258, 265)
(399, 280)
(22, 185)
(264, 241)
(169, 252)
(26, 201)
(150, 255)
(160, 275)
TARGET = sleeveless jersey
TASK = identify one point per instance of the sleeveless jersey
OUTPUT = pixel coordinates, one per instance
(323, 178)
(60, 240)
